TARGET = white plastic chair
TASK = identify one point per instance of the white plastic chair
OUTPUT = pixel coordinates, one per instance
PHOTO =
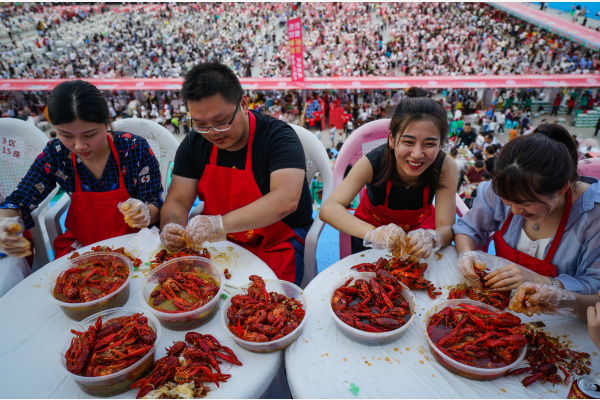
(316, 161)
(28, 142)
(163, 145)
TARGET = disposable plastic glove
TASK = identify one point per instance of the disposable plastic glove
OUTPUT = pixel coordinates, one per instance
(423, 242)
(137, 214)
(535, 298)
(12, 241)
(172, 237)
(468, 264)
(387, 237)
(204, 228)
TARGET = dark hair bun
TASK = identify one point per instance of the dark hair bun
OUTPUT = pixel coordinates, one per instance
(413, 92)
(560, 134)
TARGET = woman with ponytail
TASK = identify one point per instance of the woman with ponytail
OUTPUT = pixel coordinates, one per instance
(543, 216)
(401, 177)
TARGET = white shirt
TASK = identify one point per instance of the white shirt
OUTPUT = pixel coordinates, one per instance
(534, 248)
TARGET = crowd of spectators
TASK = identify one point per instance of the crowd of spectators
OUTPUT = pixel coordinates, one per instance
(46, 40)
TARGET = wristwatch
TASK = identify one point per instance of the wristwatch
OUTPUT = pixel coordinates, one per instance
(554, 281)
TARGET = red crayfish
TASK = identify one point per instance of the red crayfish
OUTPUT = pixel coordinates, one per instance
(101, 249)
(259, 316)
(107, 348)
(183, 290)
(494, 298)
(164, 255)
(193, 361)
(376, 305)
(547, 356)
(477, 337)
(409, 272)
(90, 281)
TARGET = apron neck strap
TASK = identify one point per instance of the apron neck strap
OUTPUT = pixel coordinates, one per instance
(252, 128)
(115, 155)
(559, 231)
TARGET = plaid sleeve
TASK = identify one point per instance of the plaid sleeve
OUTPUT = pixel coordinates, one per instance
(34, 187)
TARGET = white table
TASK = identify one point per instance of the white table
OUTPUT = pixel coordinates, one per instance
(323, 363)
(32, 329)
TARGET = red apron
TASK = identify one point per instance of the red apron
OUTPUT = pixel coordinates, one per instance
(542, 267)
(408, 220)
(93, 216)
(226, 189)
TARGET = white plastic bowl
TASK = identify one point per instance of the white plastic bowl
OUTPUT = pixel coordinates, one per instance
(119, 382)
(371, 338)
(79, 311)
(188, 319)
(467, 371)
(272, 285)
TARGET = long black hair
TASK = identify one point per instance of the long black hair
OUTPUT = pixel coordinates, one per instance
(71, 100)
(417, 107)
(539, 164)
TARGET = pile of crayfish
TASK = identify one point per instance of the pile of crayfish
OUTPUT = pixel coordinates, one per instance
(494, 298)
(407, 271)
(110, 347)
(376, 305)
(181, 290)
(165, 255)
(186, 367)
(102, 249)
(259, 316)
(477, 337)
(547, 356)
(90, 281)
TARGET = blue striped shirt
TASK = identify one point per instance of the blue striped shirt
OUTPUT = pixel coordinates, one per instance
(141, 173)
(577, 257)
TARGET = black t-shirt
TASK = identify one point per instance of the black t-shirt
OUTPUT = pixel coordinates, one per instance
(400, 198)
(276, 146)
(467, 138)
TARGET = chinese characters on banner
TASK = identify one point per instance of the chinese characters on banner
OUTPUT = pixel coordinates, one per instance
(295, 44)
(12, 148)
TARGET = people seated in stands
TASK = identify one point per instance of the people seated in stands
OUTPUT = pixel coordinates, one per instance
(543, 216)
(112, 177)
(401, 177)
(248, 168)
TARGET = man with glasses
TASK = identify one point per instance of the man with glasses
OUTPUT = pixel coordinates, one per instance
(248, 168)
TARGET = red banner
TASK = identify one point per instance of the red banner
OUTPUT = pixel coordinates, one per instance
(337, 82)
(295, 45)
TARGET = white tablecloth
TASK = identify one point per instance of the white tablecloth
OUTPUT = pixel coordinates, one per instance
(323, 363)
(32, 329)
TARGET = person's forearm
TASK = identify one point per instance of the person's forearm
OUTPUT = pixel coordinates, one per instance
(9, 212)
(154, 214)
(463, 243)
(173, 212)
(338, 217)
(265, 211)
(447, 234)
(584, 301)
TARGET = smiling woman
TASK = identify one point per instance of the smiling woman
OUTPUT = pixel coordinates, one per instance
(402, 177)
(113, 178)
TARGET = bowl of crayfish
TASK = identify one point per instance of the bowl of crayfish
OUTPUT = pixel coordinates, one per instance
(183, 293)
(91, 283)
(265, 315)
(108, 351)
(473, 339)
(372, 308)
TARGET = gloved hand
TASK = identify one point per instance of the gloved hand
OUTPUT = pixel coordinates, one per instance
(12, 241)
(468, 264)
(172, 237)
(387, 237)
(137, 214)
(203, 228)
(423, 242)
(536, 298)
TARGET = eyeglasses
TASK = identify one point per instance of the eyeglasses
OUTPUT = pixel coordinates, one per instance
(220, 127)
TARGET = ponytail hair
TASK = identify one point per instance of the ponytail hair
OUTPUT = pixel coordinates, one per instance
(417, 107)
(539, 164)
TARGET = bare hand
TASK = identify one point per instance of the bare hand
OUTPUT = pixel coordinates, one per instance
(511, 277)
